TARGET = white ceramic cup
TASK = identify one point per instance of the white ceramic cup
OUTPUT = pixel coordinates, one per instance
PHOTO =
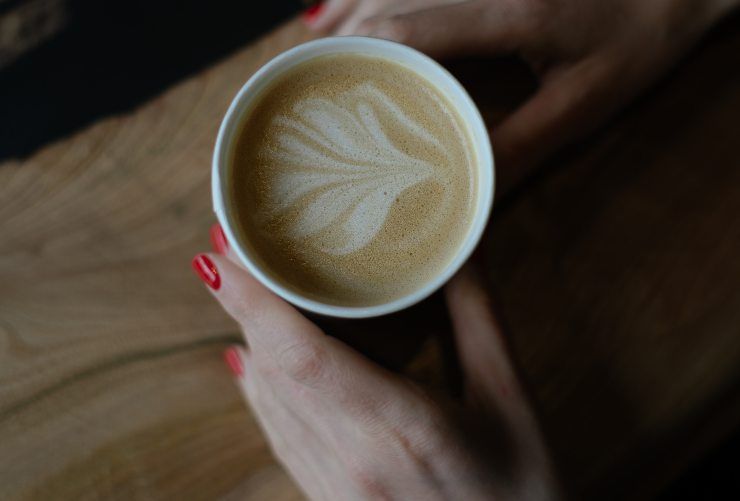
(397, 53)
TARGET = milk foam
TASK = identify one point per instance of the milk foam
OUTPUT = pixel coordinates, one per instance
(353, 180)
(339, 173)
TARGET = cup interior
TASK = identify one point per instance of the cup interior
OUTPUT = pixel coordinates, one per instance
(399, 54)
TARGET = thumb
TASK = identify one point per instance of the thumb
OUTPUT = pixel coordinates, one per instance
(479, 339)
(491, 382)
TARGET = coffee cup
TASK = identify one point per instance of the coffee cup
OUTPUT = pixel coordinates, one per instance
(225, 205)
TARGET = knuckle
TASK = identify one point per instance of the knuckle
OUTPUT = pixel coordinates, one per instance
(424, 436)
(417, 434)
(429, 440)
(304, 362)
(365, 477)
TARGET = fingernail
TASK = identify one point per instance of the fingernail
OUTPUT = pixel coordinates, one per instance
(218, 239)
(234, 361)
(207, 271)
(310, 14)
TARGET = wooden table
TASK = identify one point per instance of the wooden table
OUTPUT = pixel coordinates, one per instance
(617, 268)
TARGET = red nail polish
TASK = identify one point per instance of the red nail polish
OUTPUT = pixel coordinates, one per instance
(310, 14)
(234, 361)
(207, 271)
(218, 239)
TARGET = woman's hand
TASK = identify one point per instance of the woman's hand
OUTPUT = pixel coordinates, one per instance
(592, 56)
(345, 428)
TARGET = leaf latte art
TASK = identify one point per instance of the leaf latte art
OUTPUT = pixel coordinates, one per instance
(336, 158)
(351, 173)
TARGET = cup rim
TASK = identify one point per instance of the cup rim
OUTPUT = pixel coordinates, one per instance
(472, 118)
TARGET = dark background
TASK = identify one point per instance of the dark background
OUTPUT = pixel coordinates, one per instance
(65, 64)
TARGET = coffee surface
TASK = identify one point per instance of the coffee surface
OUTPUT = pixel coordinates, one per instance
(353, 180)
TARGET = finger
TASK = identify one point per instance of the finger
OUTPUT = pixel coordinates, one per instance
(220, 245)
(261, 399)
(279, 336)
(569, 102)
(479, 338)
(470, 27)
(491, 380)
(268, 321)
(293, 442)
(236, 358)
(365, 10)
(325, 16)
(289, 350)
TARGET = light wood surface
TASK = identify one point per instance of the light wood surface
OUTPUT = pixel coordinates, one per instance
(617, 270)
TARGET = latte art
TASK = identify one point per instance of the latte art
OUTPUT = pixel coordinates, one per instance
(339, 170)
(353, 178)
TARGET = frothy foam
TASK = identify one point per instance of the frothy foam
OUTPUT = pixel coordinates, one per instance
(356, 172)
(353, 173)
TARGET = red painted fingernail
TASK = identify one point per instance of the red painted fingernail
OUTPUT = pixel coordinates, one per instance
(310, 14)
(207, 271)
(234, 361)
(218, 239)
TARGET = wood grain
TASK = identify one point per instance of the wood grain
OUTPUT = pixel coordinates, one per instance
(111, 380)
(617, 270)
